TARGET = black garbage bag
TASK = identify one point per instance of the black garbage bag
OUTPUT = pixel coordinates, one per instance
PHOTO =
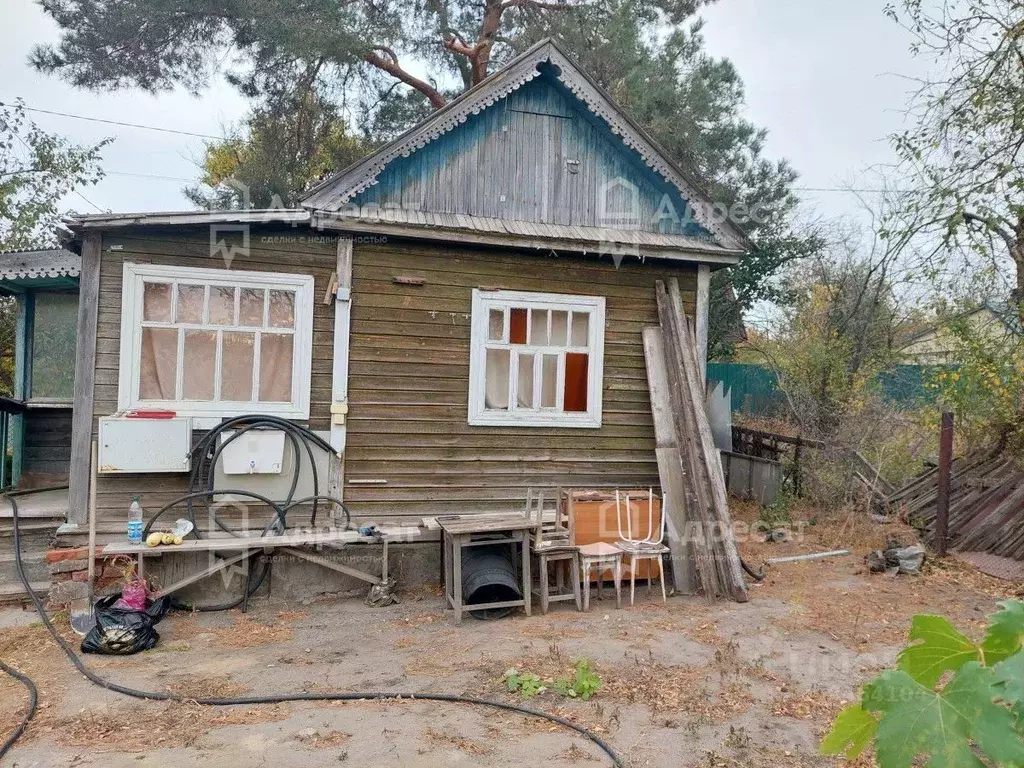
(123, 631)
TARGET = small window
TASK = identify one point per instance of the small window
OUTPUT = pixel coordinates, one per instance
(536, 359)
(212, 343)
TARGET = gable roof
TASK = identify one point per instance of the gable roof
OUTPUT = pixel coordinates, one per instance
(335, 192)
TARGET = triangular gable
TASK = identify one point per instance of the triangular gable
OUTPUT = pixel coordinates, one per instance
(341, 190)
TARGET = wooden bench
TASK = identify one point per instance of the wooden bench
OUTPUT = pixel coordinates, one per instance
(242, 547)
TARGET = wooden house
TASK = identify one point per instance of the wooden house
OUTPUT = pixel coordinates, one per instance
(460, 312)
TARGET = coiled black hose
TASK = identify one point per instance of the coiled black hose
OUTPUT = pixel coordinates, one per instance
(247, 700)
(204, 457)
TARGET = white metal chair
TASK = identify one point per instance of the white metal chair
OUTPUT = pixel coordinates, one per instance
(650, 547)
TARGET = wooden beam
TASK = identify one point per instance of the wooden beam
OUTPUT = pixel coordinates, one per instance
(82, 418)
(701, 318)
(669, 463)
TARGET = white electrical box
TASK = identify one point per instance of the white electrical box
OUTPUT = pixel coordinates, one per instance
(276, 486)
(256, 452)
(144, 445)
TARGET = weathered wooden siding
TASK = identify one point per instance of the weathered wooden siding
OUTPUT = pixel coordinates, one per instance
(288, 250)
(47, 454)
(409, 383)
(538, 155)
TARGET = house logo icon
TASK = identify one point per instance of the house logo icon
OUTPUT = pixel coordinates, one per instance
(618, 204)
(221, 245)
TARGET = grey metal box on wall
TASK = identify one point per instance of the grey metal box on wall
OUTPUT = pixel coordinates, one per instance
(275, 486)
(129, 445)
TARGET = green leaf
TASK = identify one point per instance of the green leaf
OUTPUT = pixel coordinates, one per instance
(1009, 685)
(852, 731)
(942, 649)
(917, 721)
(1005, 633)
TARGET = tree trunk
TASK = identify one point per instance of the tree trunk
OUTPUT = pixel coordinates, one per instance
(1017, 253)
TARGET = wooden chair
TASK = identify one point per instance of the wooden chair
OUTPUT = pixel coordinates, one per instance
(551, 545)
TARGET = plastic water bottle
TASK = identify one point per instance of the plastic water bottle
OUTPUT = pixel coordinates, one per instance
(135, 522)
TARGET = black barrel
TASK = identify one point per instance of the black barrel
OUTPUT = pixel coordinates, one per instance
(489, 576)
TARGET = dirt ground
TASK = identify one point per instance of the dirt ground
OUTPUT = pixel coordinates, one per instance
(684, 684)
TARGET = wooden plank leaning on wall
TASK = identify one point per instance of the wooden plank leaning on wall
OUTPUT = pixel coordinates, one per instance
(85, 377)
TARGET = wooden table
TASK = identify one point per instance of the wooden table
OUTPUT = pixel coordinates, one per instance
(462, 531)
(242, 548)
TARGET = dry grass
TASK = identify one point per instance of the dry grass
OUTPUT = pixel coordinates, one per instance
(207, 688)
(438, 740)
(326, 739)
(246, 632)
(812, 705)
(134, 728)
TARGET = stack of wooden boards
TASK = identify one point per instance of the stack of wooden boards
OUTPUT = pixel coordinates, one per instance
(689, 466)
(986, 504)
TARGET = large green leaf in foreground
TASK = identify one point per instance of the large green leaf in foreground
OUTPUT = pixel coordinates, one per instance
(941, 649)
(942, 725)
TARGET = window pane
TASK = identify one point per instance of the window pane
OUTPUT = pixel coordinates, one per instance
(517, 325)
(53, 345)
(236, 366)
(250, 306)
(198, 365)
(524, 398)
(580, 329)
(576, 367)
(549, 382)
(159, 364)
(156, 302)
(282, 309)
(222, 305)
(496, 325)
(496, 385)
(190, 303)
(539, 326)
(276, 366)
(559, 328)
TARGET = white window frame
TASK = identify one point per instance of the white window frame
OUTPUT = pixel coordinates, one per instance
(130, 369)
(483, 302)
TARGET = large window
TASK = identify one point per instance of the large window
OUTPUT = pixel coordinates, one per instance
(212, 343)
(536, 359)
(54, 323)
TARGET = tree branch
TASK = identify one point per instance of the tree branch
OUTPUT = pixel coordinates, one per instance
(393, 68)
(993, 226)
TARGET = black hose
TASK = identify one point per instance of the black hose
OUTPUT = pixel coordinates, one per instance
(204, 457)
(755, 575)
(33, 705)
(276, 699)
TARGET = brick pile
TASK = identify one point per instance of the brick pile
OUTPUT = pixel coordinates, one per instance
(69, 574)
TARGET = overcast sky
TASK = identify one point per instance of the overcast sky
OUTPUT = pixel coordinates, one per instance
(819, 75)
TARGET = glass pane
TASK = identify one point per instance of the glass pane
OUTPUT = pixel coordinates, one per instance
(276, 366)
(524, 398)
(236, 366)
(53, 345)
(222, 305)
(539, 326)
(559, 328)
(580, 329)
(576, 368)
(549, 381)
(156, 302)
(199, 364)
(496, 325)
(250, 306)
(496, 384)
(282, 309)
(517, 325)
(159, 364)
(190, 303)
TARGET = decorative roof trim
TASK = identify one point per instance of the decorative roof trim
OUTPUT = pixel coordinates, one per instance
(336, 191)
(37, 265)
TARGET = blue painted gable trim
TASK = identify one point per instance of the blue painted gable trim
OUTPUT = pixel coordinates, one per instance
(468, 169)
